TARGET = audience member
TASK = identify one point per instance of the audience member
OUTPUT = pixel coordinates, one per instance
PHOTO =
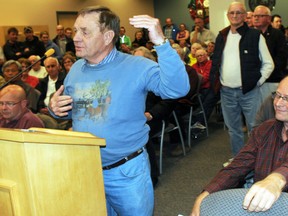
(44, 37)
(192, 58)
(68, 32)
(249, 19)
(185, 46)
(139, 40)
(208, 95)
(125, 41)
(50, 83)
(170, 29)
(242, 59)
(210, 50)
(32, 44)
(183, 33)
(124, 81)
(13, 109)
(67, 61)
(11, 69)
(62, 41)
(200, 34)
(37, 69)
(13, 49)
(276, 22)
(266, 110)
(265, 154)
(31, 80)
(278, 49)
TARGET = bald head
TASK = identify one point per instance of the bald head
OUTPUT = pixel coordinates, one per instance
(16, 92)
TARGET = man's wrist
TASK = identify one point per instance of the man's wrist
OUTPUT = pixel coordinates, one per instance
(163, 42)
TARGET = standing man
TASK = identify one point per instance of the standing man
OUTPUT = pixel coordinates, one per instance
(107, 90)
(200, 34)
(33, 46)
(242, 59)
(276, 44)
(61, 39)
(170, 30)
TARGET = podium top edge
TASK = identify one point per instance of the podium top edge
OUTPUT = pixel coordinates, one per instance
(40, 135)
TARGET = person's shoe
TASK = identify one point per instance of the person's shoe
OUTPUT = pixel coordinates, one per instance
(176, 152)
(228, 162)
(198, 125)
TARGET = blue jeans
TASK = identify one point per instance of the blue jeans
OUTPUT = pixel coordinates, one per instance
(128, 188)
(233, 103)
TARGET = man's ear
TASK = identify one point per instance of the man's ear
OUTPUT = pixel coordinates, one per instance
(108, 36)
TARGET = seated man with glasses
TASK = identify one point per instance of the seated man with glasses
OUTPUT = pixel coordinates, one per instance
(266, 154)
(13, 109)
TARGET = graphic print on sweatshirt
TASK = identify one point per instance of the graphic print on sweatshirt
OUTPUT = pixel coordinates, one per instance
(92, 101)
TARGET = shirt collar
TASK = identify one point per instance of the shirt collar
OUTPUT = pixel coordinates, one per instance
(110, 57)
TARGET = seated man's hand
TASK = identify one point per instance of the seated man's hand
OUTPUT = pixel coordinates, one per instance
(197, 204)
(60, 104)
(263, 194)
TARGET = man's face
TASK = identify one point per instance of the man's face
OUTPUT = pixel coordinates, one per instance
(60, 30)
(52, 68)
(45, 38)
(11, 108)
(122, 32)
(277, 22)
(90, 42)
(36, 66)
(249, 19)
(199, 23)
(68, 33)
(168, 22)
(236, 15)
(29, 35)
(280, 105)
(260, 18)
(11, 71)
(13, 37)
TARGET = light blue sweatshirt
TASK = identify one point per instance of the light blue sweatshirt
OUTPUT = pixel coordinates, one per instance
(109, 99)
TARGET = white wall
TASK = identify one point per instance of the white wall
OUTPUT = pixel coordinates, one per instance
(218, 10)
(43, 12)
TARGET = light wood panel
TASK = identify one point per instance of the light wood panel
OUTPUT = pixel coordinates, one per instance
(48, 176)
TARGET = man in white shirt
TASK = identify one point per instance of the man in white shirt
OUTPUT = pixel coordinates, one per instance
(200, 34)
(243, 61)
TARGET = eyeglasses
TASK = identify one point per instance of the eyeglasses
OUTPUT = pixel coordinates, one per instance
(277, 96)
(260, 15)
(237, 13)
(9, 104)
(201, 55)
(10, 70)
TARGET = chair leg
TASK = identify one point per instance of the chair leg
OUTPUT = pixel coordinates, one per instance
(204, 116)
(189, 126)
(161, 146)
(180, 133)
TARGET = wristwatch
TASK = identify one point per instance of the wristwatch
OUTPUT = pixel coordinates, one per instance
(165, 41)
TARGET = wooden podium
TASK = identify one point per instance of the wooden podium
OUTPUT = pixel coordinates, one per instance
(47, 172)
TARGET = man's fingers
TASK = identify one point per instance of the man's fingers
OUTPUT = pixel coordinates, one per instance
(249, 197)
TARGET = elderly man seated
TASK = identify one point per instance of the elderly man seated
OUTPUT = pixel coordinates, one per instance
(13, 109)
(266, 154)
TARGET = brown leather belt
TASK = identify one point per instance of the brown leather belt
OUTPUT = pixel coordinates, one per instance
(124, 160)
